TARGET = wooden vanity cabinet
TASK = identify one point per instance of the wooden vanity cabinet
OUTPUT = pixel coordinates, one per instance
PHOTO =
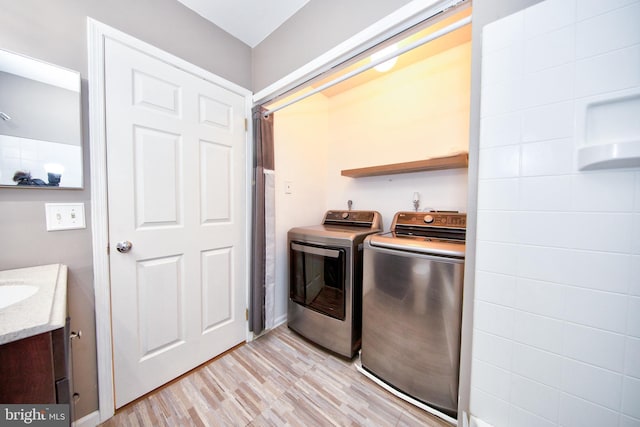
(35, 370)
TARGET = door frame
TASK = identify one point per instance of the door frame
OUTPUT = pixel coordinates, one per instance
(97, 32)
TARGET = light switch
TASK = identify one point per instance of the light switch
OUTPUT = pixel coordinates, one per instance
(288, 187)
(64, 216)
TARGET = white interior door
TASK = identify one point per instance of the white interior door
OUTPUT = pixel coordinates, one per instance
(176, 147)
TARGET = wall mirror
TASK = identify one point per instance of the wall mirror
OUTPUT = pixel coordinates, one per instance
(40, 127)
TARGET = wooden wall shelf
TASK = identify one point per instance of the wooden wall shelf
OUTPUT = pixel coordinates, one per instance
(434, 163)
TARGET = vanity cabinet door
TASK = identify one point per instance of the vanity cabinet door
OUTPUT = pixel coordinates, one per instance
(26, 371)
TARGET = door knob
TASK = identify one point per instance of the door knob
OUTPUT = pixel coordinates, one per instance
(124, 246)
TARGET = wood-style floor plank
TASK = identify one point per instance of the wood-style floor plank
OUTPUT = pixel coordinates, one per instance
(278, 380)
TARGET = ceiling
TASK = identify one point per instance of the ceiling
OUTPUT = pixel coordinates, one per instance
(248, 20)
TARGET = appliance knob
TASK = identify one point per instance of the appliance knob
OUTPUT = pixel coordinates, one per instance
(428, 219)
(345, 215)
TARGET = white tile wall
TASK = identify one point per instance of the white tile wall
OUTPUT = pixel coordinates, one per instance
(537, 331)
(501, 130)
(498, 351)
(631, 397)
(498, 194)
(489, 408)
(552, 121)
(557, 310)
(594, 346)
(496, 288)
(535, 397)
(633, 322)
(591, 383)
(537, 365)
(618, 28)
(608, 72)
(542, 298)
(577, 412)
(520, 417)
(494, 318)
(544, 193)
(547, 157)
(539, 56)
(547, 86)
(634, 286)
(589, 8)
(548, 16)
(629, 422)
(631, 365)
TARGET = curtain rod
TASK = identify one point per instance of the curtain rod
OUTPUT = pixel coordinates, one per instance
(437, 34)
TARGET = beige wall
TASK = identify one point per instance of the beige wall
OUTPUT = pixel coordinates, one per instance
(415, 112)
(55, 31)
(301, 133)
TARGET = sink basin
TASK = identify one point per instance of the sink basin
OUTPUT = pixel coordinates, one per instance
(13, 293)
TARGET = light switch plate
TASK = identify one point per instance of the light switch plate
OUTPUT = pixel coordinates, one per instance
(288, 187)
(64, 216)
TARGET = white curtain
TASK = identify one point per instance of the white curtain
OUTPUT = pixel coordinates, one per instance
(270, 248)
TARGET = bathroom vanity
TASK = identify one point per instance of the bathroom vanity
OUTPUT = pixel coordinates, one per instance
(34, 335)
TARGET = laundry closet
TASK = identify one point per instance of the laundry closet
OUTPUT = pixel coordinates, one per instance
(417, 110)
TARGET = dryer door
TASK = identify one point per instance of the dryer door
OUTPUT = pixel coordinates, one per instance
(317, 278)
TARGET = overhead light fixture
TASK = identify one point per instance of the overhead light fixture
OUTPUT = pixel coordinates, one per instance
(387, 65)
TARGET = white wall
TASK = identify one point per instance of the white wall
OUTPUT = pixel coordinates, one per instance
(557, 302)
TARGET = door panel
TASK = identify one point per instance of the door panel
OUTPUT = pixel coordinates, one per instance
(152, 92)
(217, 283)
(215, 113)
(160, 286)
(215, 182)
(176, 155)
(158, 177)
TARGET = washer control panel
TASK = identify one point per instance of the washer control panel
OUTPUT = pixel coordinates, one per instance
(431, 219)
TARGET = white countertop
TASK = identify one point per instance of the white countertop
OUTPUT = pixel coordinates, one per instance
(43, 311)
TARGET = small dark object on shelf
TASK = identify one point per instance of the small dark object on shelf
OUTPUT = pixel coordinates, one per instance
(24, 178)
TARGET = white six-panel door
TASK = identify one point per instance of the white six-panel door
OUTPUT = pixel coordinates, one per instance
(176, 184)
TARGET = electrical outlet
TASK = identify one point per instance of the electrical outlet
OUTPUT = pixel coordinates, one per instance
(64, 216)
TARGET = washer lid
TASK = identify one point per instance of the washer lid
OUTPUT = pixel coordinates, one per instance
(348, 233)
(419, 244)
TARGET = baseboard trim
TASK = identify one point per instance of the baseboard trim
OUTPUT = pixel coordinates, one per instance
(279, 321)
(90, 420)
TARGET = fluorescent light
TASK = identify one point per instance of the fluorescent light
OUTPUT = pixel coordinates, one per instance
(387, 65)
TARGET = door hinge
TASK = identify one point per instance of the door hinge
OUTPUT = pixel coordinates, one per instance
(108, 249)
(246, 124)
(246, 314)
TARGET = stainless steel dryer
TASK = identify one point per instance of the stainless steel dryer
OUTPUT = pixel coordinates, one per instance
(325, 279)
(412, 308)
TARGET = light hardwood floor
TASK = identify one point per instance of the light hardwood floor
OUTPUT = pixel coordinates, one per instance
(279, 379)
